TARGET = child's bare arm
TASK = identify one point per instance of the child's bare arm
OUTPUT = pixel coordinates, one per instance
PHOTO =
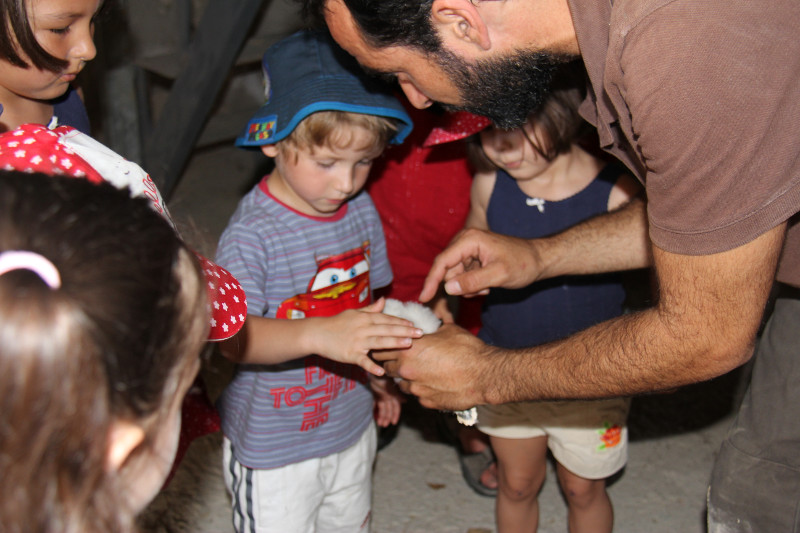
(624, 190)
(347, 337)
(481, 191)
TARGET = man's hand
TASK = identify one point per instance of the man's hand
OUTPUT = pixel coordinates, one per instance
(477, 260)
(703, 325)
(448, 369)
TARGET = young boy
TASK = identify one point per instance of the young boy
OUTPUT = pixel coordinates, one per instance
(308, 247)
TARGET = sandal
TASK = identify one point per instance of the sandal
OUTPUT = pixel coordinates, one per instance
(472, 466)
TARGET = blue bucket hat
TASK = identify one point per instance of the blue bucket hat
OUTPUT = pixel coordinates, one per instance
(308, 72)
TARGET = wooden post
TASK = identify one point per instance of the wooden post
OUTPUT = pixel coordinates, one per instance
(215, 45)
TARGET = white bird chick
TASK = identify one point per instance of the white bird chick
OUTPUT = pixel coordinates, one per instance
(425, 319)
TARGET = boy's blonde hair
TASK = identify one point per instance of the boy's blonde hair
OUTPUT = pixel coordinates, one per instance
(333, 129)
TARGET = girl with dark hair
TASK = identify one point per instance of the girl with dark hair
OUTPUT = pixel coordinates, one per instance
(44, 45)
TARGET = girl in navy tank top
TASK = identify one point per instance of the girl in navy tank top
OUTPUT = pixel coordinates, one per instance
(535, 181)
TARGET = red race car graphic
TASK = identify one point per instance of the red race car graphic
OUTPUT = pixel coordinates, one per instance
(341, 282)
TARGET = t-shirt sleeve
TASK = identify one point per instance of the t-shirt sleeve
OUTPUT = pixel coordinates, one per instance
(243, 253)
(714, 101)
(379, 268)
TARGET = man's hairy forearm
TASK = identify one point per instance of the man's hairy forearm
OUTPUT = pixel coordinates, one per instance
(611, 242)
(704, 324)
(628, 355)
(478, 260)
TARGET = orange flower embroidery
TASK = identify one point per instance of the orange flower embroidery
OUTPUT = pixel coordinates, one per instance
(610, 436)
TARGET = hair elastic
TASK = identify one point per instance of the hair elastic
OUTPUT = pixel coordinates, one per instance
(36, 263)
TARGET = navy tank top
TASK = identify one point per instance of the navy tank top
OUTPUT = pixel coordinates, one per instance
(550, 309)
(70, 111)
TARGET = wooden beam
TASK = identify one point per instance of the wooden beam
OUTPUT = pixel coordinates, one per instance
(215, 45)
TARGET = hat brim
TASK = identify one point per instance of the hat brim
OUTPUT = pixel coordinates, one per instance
(456, 126)
(266, 126)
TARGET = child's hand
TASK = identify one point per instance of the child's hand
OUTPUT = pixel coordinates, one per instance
(350, 336)
(388, 401)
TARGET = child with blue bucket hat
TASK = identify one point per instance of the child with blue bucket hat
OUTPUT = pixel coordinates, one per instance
(307, 245)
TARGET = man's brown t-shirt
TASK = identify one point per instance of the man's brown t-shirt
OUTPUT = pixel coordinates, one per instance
(701, 99)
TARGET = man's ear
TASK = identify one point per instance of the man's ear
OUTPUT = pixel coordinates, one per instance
(462, 20)
(270, 150)
(123, 438)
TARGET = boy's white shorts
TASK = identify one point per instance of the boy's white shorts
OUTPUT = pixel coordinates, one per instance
(589, 438)
(323, 495)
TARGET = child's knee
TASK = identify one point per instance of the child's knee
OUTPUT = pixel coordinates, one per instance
(581, 492)
(519, 484)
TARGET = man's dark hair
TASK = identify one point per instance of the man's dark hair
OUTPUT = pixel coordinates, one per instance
(385, 23)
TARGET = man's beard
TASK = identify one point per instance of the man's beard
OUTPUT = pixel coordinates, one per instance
(507, 89)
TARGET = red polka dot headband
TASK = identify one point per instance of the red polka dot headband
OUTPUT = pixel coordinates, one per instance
(65, 151)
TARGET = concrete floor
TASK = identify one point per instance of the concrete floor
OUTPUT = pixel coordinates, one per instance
(418, 485)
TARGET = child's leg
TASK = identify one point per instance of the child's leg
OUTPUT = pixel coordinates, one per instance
(271, 500)
(347, 475)
(589, 441)
(521, 469)
(291, 498)
(589, 507)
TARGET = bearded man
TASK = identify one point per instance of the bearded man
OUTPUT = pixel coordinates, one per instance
(701, 100)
